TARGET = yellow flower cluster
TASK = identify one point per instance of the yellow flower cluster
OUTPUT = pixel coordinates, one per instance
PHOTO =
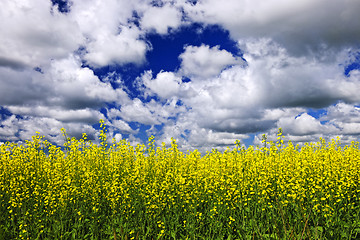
(88, 191)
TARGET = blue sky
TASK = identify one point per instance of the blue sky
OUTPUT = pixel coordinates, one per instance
(204, 72)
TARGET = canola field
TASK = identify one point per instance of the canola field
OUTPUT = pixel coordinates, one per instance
(117, 191)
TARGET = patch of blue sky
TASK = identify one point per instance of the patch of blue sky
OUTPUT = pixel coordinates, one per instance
(355, 65)
(316, 113)
(248, 141)
(64, 6)
(4, 113)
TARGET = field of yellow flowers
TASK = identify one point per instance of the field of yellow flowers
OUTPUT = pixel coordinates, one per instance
(89, 191)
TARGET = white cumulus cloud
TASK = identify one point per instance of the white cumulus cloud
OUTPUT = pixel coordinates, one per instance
(161, 19)
(205, 62)
(302, 26)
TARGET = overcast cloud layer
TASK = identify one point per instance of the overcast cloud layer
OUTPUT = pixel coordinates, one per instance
(291, 70)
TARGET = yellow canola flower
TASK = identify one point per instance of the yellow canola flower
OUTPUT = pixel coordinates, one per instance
(41, 181)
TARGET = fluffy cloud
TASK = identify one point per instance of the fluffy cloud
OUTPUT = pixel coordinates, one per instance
(35, 32)
(161, 19)
(343, 112)
(288, 81)
(122, 126)
(96, 17)
(150, 113)
(166, 85)
(303, 124)
(136, 112)
(191, 136)
(345, 117)
(12, 94)
(20, 129)
(78, 86)
(63, 94)
(110, 39)
(90, 116)
(64, 83)
(109, 49)
(302, 27)
(32, 34)
(7, 130)
(339, 120)
(205, 62)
